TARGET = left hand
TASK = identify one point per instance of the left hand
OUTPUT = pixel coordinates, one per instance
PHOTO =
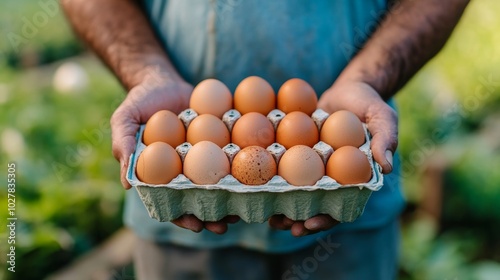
(365, 102)
(381, 120)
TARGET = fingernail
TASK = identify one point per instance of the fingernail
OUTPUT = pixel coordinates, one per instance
(197, 229)
(388, 157)
(313, 225)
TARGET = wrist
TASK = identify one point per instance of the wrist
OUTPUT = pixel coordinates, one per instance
(355, 96)
(364, 72)
(158, 90)
(153, 68)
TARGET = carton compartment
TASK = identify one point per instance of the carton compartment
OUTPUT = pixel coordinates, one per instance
(166, 204)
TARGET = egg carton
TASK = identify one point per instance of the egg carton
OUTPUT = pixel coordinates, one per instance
(255, 203)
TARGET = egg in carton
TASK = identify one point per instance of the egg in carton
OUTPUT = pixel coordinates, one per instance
(255, 203)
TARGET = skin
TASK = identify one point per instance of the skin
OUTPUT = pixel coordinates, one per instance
(409, 36)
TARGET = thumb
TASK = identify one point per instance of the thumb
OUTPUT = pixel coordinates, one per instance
(384, 131)
(123, 131)
(125, 148)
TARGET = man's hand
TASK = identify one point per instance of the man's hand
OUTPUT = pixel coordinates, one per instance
(366, 103)
(381, 120)
(157, 92)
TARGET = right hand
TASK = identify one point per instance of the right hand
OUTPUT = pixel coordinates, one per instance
(157, 92)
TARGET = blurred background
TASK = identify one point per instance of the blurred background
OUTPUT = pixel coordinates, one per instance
(56, 100)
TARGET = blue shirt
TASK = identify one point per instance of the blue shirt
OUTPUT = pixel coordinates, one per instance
(277, 40)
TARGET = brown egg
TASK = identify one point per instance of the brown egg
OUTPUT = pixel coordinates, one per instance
(206, 163)
(342, 128)
(349, 165)
(297, 128)
(301, 166)
(211, 96)
(158, 163)
(166, 127)
(208, 127)
(297, 95)
(253, 165)
(253, 129)
(254, 94)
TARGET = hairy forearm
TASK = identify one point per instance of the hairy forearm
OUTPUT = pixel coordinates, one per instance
(410, 35)
(118, 31)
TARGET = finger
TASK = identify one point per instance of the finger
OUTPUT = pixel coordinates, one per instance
(288, 222)
(298, 229)
(123, 174)
(382, 151)
(189, 222)
(231, 219)
(320, 222)
(126, 147)
(216, 227)
(384, 131)
(123, 131)
(276, 221)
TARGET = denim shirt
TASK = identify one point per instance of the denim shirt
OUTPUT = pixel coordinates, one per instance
(277, 40)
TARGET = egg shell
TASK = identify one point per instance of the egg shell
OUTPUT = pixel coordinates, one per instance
(166, 127)
(301, 166)
(158, 163)
(342, 128)
(297, 95)
(254, 94)
(349, 165)
(208, 127)
(206, 163)
(211, 96)
(253, 165)
(253, 129)
(297, 128)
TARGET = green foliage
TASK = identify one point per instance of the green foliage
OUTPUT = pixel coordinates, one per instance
(451, 107)
(428, 255)
(454, 93)
(474, 193)
(34, 33)
(69, 198)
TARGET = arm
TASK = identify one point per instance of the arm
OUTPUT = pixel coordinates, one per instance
(120, 34)
(118, 31)
(410, 35)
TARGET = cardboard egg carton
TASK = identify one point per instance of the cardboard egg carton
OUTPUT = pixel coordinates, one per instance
(255, 203)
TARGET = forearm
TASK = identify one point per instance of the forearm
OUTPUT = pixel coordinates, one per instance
(118, 31)
(411, 34)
